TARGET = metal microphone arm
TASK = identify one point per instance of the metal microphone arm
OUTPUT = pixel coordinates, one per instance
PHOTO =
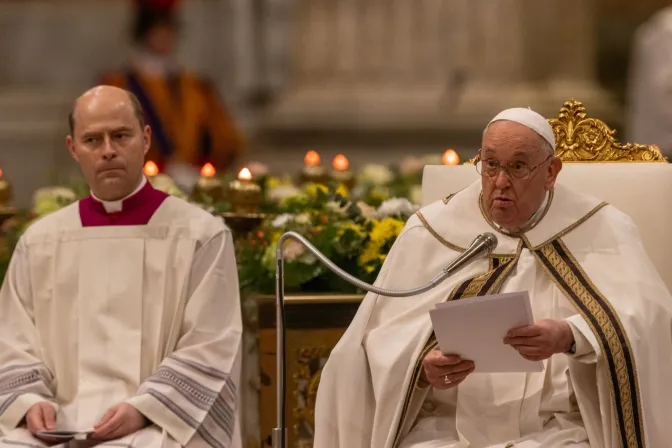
(483, 245)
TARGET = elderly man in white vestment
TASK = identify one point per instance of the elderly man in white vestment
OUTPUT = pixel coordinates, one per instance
(602, 320)
(119, 314)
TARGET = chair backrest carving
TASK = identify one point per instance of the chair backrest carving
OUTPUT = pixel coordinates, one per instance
(579, 138)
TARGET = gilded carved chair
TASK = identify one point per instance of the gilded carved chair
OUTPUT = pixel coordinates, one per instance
(634, 178)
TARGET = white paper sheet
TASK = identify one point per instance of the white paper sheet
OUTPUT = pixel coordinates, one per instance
(475, 329)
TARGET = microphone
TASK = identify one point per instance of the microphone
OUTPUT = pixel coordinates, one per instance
(482, 246)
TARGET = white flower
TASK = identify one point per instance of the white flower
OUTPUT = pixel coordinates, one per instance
(411, 165)
(375, 174)
(308, 258)
(281, 192)
(396, 207)
(368, 212)
(282, 220)
(336, 207)
(257, 169)
(302, 219)
(415, 194)
(293, 250)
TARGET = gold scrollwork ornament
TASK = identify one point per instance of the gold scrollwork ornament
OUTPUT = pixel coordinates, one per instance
(579, 138)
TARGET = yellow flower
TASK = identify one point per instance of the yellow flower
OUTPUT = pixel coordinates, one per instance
(382, 232)
(343, 190)
(272, 182)
(313, 189)
(350, 226)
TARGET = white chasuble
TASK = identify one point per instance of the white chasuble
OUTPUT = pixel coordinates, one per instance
(143, 314)
(583, 262)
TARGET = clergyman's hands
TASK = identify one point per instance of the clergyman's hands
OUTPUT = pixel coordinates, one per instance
(542, 339)
(119, 421)
(41, 417)
(437, 366)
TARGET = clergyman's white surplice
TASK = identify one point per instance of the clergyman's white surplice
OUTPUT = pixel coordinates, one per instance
(583, 262)
(149, 315)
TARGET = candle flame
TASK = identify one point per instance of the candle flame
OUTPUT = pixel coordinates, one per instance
(150, 169)
(312, 158)
(340, 163)
(450, 157)
(0, 172)
(208, 170)
(245, 174)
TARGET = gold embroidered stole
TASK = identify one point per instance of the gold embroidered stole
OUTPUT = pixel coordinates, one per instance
(568, 275)
(603, 320)
(479, 285)
(596, 310)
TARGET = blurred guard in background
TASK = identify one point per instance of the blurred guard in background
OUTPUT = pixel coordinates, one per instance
(189, 122)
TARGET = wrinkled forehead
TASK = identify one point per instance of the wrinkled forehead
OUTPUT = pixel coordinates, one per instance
(507, 138)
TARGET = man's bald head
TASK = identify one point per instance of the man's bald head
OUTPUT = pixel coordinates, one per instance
(109, 140)
(107, 93)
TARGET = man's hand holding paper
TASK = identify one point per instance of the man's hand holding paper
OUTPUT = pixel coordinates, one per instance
(444, 371)
(542, 340)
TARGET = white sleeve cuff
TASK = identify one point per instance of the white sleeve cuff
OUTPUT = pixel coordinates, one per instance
(587, 348)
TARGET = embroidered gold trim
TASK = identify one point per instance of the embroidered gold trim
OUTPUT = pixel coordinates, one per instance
(445, 242)
(497, 260)
(498, 230)
(603, 320)
(430, 345)
(571, 227)
(438, 237)
(479, 285)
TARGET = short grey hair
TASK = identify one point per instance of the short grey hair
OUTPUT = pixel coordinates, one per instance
(548, 149)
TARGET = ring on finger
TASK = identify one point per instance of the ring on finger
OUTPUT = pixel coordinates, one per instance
(446, 379)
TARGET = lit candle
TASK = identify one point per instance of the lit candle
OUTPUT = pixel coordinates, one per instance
(312, 158)
(312, 171)
(450, 157)
(340, 172)
(209, 187)
(244, 194)
(150, 169)
(6, 193)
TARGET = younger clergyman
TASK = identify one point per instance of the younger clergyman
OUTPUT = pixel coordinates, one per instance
(120, 313)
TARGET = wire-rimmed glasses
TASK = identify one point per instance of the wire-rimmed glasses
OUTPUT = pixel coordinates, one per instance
(516, 170)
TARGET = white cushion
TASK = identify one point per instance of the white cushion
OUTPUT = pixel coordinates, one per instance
(641, 190)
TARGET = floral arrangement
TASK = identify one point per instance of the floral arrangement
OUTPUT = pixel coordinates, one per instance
(354, 235)
(354, 228)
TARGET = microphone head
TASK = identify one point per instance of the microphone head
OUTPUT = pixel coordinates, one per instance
(488, 240)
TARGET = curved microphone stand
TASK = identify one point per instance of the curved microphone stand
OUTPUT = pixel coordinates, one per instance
(483, 245)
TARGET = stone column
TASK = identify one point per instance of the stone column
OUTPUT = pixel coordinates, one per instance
(377, 61)
(388, 64)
